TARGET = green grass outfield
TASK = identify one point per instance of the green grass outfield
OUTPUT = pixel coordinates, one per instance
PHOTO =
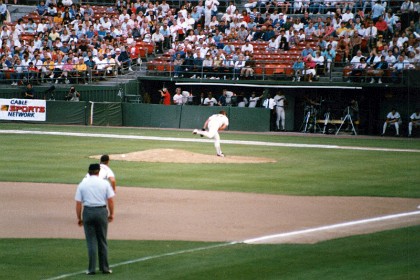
(298, 171)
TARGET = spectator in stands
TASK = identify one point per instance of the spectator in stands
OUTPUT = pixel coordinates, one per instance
(342, 30)
(309, 72)
(320, 65)
(407, 13)
(298, 68)
(307, 50)
(47, 69)
(248, 70)
(371, 35)
(273, 45)
(158, 40)
(239, 64)
(329, 30)
(358, 69)
(211, 7)
(68, 71)
(247, 47)
(356, 59)
(347, 16)
(30, 27)
(32, 73)
(377, 70)
(51, 10)
(58, 68)
(17, 73)
(309, 30)
(373, 57)
(284, 45)
(208, 63)
(301, 6)
(243, 33)
(381, 26)
(398, 68)
(122, 59)
(329, 55)
(91, 67)
(298, 25)
(217, 64)
(41, 8)
(80, 71)
(391, 21)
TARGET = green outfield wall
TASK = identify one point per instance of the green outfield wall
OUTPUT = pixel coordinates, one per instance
(152, 115)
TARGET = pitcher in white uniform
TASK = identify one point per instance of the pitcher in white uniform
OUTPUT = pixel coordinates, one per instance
(211, 129)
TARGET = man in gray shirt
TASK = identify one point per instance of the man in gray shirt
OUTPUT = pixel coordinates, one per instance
(93, 195)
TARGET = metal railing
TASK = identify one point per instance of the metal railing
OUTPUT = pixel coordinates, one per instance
(17, 75)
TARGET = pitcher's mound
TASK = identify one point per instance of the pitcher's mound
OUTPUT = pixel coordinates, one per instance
(182, 156)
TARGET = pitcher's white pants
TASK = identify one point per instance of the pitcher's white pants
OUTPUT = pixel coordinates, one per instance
(212, 133)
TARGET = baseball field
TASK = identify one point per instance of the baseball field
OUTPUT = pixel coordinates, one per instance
(278, 206)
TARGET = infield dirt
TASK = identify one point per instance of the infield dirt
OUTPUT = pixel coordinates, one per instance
(35, 210)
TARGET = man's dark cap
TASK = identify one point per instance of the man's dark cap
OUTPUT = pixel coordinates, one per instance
(104, 158)
(94, 167)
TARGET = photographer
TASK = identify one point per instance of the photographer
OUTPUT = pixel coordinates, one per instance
(72, 95)
(165, 96)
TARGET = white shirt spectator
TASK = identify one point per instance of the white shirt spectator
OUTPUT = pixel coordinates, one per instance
(178, 99)
(247, 47)
(210, 101)
(347, 16)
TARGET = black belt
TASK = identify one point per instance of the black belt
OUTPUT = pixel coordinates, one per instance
(103, 206)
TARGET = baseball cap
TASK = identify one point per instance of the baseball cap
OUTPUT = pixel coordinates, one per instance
(94, 166)
(117, 49)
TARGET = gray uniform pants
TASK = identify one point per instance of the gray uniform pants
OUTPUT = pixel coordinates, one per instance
(95, 223)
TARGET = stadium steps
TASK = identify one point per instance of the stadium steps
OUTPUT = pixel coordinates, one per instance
(18, 11)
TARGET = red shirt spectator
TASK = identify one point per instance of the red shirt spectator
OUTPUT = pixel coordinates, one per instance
(166, 96)
(381, 25)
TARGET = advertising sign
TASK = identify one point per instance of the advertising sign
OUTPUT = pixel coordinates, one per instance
(22, 110)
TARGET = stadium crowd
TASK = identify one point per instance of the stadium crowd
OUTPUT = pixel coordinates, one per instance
(67, 42)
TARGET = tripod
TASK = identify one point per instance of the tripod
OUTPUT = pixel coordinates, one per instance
(309, 120)
(326, 120)
(347, 118)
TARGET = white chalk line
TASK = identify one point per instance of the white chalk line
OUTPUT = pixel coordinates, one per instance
(235, 142)
(253, 240)
(330, 227)
(152, 257)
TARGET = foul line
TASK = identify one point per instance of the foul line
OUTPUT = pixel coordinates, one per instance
(330, 227)
(151, 258)
(253, 240)
(236, 142)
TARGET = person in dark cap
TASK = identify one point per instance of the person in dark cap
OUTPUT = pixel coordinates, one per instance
(93, 195)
